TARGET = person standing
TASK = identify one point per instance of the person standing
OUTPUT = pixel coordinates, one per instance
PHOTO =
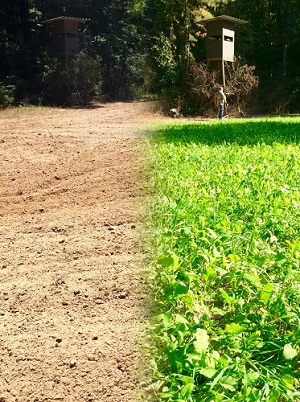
(221, 102)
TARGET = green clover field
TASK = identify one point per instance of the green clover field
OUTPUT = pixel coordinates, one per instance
(224, 257)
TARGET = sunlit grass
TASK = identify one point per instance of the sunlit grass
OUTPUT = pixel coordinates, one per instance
(225, 247)
(26, 110)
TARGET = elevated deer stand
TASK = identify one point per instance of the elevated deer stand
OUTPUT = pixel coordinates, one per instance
(64, 35)
(220, 41)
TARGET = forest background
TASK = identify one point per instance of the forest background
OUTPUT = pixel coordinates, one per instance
(136, 48)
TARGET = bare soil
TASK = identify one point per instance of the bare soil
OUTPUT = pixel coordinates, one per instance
(70, 304)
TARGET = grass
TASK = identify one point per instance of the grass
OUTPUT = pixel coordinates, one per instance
(224, 257)
(27, 110)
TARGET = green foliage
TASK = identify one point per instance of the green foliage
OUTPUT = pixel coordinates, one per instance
(76, 86)
(54, 82)
(167, 68)
(6, 95)
(84, 78)
(170, 28)
(120, 43)
(225, 250)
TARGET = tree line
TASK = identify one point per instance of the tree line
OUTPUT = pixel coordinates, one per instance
(130, 48)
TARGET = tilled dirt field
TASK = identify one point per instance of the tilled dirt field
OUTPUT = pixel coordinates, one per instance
(70, 305)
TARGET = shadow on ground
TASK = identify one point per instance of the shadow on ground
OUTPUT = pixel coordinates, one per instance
(240, 132)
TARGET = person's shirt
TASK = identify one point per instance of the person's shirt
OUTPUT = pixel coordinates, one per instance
(221, 98)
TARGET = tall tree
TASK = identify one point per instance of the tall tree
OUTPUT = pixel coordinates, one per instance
(121, 48)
